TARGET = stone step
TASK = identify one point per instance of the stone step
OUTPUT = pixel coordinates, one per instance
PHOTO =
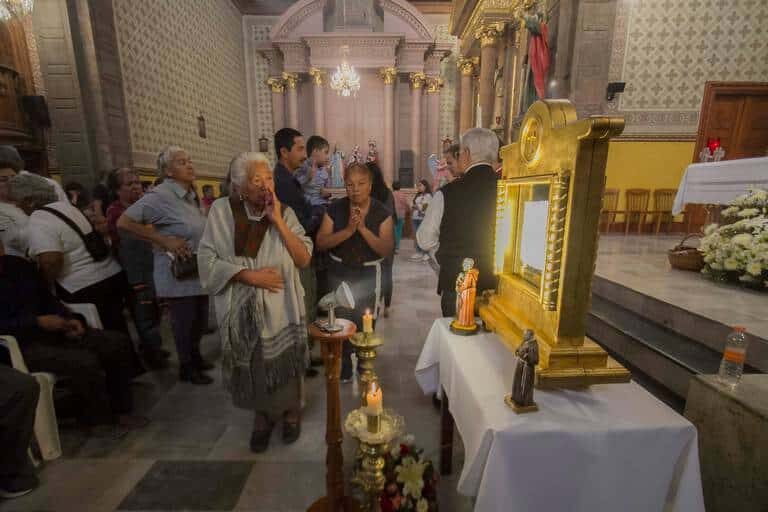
(660, 354)
(680, 321)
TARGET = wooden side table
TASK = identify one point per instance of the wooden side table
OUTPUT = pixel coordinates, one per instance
(331, 349)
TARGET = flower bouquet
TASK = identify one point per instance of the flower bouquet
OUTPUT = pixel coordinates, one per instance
(411, 480)
(738, 251)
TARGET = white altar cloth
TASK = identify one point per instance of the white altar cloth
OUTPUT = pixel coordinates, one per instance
(610, 447)
(720, 182)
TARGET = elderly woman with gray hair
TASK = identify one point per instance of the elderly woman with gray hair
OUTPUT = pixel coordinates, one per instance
(171, 219)
(249, 257)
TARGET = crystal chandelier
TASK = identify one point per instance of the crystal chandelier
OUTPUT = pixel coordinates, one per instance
(15, 8)
(345, 80)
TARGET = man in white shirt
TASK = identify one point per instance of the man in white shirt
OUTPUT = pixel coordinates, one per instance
(13, 221)
(454, 227)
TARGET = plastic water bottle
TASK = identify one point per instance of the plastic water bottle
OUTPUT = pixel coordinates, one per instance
(732, 365)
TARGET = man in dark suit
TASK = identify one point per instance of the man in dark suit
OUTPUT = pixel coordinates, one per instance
(460, 221)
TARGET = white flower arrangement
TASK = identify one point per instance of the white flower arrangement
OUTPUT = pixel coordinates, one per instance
(739, 251)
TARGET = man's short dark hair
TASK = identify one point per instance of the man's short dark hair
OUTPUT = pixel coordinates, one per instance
(395, 185)
(284, 138)
(207, 187)
(316, 142)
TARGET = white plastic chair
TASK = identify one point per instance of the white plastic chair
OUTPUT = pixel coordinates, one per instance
(46, 427)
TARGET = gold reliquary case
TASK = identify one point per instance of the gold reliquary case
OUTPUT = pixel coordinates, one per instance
(548, 210)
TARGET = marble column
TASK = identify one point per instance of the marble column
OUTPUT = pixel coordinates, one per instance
(434, 84)
(291, 83)
(277, 85)
(387, 154)
(417, 86)
(489, 36)
(319, 78)
(466, 103)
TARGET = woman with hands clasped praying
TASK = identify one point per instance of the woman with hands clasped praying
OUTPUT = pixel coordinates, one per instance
(358, 233)
(249, 258)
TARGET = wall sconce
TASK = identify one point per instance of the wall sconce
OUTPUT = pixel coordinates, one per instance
(613, 89)
(201, 126)
(263, 144)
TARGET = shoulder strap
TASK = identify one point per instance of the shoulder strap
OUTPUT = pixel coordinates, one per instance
(69, 222)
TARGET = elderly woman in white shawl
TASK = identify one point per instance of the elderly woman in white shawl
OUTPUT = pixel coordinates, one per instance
(248, 259)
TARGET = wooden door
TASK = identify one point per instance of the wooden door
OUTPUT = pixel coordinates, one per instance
(737, 113)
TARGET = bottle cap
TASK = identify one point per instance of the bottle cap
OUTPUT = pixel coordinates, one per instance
(739, 328)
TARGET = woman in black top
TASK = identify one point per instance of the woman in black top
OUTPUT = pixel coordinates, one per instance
(381, 192)
(358, 233)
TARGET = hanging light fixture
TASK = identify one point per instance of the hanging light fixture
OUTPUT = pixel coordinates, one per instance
(345, 80)
(15, 8)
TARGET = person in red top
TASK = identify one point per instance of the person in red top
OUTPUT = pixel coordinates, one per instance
(137, 260)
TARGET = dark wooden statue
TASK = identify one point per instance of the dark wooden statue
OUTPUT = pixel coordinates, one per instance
(525, 373)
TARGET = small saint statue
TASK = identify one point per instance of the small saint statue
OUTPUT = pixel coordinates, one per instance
(466, 292)
(355, 157)
(373, 153)
(525, 372)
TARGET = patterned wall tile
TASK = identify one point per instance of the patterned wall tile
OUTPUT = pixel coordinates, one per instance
(449, 72)
(180, 58)
(262, 96)
(665, 50)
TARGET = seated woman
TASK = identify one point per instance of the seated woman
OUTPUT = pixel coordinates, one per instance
(13, 221)
(248, 258)
(99, 365)
(358, 233)
(61, 252)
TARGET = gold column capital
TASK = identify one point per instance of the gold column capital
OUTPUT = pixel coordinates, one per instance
(318, 76)
(417, 79)
(467, 65)
(434, 84)
(291, 79)
(276, 83)
(388, 75)
(489, 35)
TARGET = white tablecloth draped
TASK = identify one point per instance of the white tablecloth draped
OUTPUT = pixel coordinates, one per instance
(608, 448)
(720, 182)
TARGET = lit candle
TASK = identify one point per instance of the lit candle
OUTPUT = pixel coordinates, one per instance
(367, 321)
(374, 400)
(373, 408)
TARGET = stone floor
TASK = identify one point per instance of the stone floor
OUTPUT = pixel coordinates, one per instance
(195, 456)
(640, 262)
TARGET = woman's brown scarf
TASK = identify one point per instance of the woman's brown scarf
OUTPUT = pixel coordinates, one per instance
(249, 234)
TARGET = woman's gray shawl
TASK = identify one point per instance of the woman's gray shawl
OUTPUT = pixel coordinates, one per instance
(253, 318)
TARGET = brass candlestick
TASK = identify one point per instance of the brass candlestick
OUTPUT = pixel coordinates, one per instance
(366, 344)
(369, 475)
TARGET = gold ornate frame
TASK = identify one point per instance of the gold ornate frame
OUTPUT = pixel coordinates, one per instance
(570, 155)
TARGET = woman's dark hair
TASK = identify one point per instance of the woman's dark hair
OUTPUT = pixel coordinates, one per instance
(427, 186)
(379, 189)
(284, 138)
(358, 167)
(395, 185)
(316, 142)
(83, 198)
(453, 150)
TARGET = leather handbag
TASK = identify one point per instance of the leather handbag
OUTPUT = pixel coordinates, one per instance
(93, 241)
(184, 268)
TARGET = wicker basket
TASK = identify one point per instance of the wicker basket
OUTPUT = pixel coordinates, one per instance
(685, 257)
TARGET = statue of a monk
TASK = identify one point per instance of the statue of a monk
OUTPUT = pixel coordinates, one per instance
(466, 292)
(527, 359)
